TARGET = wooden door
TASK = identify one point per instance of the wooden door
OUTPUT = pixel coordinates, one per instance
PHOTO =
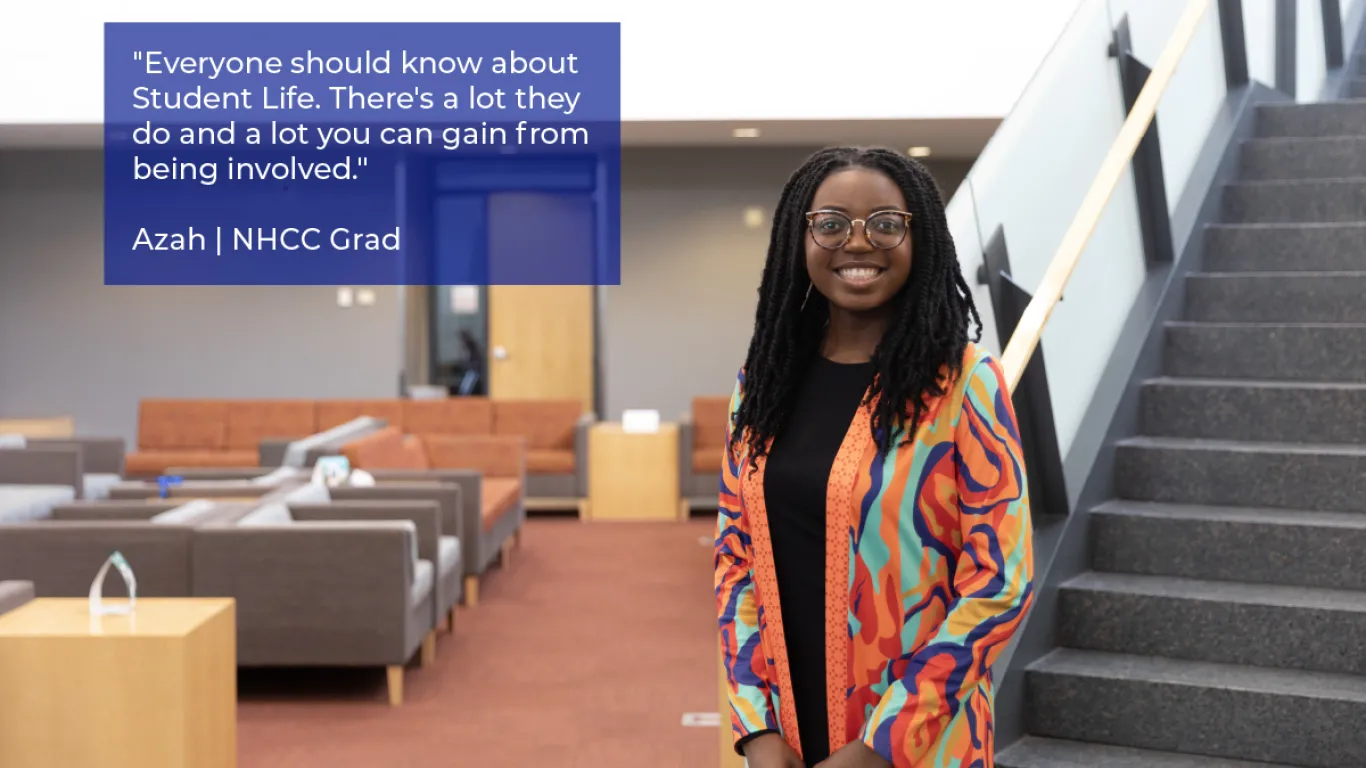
(541, 342)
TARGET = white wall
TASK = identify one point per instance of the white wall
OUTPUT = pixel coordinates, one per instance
(708, 59)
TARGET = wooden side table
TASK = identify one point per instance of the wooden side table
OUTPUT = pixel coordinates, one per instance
(632, 476)
(157, 688)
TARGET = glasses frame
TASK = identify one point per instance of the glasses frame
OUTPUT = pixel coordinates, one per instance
(863, 224)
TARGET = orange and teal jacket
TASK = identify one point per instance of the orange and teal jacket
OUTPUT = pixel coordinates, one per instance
(929, 571)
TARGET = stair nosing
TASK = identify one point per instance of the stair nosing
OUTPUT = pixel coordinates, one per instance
(1205, 382)
(1028, 741)
(1271, 681)
(1289, 182)
(1258, 324)
(1287, 275)
(1290, 139)
(1280, 516)
(1249, 446)
(1202, 590)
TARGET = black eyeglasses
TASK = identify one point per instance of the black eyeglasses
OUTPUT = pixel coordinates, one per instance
(884, 230)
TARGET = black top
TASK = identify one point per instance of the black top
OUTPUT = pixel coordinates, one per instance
(795, 479)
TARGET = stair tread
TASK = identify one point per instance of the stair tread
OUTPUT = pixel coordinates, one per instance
(1245, 446)
(1297, 182)
(1037, 752)
(1203, 674)
(1296, 275)
(1269, 225)
(1205, 382)
(1210, 513)
(1221, 591)
(1303, 139)
(1227, 324)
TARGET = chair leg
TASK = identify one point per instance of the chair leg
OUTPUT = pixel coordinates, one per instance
(505, 555)
(450, 620)
(583, 509)
(517, 538)
(429, 649)
(395, 674)
(471, 591)
(684, 510)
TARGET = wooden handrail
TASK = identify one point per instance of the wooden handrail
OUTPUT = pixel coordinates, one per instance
(1025, 339)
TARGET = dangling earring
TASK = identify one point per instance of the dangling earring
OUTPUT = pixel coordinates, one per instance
(807, 297)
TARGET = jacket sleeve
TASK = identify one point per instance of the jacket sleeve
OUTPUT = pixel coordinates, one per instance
(992, 583)
(747, 671)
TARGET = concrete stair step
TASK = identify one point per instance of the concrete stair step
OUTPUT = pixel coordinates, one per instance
(1339, 200)
(1285, 247)
(1199, 708)
(1277, 297)
(1329, 157)
(1219, 409)
(1035, 752)
(1331, 118)
(1320, 630)
(1243, 544)
(1318, 477)
(1275, 351)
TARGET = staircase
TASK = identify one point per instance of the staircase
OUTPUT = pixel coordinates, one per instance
(1223, 622)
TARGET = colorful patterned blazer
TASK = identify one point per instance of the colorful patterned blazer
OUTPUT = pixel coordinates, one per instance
(929, 570)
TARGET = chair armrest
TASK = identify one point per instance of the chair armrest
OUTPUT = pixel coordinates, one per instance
(216, 473)
(43, 466)
(271, 451)
(685, 448)
(102, 455)
(14, 594)
(446, 495)
(425, 515)
(581, 429)
(468, 525)
(113, 510)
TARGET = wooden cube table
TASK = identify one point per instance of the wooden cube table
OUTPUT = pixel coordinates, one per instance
(158, 688)
(632, 475)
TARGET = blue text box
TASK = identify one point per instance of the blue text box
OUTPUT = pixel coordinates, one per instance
(317, 154)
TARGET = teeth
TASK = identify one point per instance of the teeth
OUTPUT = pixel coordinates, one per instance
(857, 273)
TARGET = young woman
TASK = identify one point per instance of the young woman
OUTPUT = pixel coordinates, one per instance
(873, 549)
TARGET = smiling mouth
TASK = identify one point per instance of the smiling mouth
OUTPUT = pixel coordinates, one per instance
(860, 275)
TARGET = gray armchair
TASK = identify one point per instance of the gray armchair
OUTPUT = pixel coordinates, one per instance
(14, 594)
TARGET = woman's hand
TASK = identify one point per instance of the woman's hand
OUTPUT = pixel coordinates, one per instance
(770, 751)
(855, 754)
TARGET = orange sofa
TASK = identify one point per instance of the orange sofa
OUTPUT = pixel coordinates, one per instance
(490, 471)
(234, 433)
(212, 433)
(702, 448)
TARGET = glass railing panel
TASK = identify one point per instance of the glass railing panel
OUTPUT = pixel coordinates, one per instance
(1311, 63)
(1259, 31)
(1031, 179)
(961, 212)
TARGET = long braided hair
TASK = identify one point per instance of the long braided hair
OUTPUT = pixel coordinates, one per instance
(927, 334)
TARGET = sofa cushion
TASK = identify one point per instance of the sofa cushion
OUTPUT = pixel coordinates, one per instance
(448, 554)
(180, 425)
(500, 495)
(97, 484)
(708, 460)
(156, 462)
(251, 421)
(493, 456)
(709, 415)
(271, 513)
(334, 413)
(25, 503)
(310, 493)
(550, 462)
(448, 416)
(185, 513)
(424, 577)
(546, 424)
(388, 448)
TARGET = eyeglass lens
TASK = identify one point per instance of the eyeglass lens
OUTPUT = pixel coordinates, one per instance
(832, 229)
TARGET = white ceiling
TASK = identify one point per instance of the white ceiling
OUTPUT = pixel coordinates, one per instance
(947, 138)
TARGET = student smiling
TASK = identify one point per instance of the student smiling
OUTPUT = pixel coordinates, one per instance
(873, 549)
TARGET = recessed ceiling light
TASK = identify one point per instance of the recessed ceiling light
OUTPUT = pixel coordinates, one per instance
(754, 217)
(745, 133)
(919, 151)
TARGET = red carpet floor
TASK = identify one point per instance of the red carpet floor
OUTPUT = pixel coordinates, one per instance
(586, 651)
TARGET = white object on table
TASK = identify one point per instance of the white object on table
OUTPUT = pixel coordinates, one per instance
(640, 421)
